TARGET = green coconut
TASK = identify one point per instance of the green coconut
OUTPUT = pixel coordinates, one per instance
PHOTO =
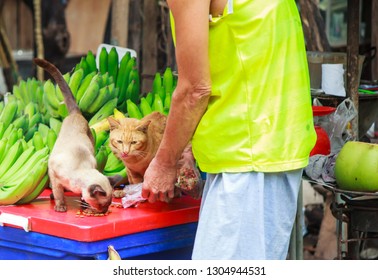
(356, 167)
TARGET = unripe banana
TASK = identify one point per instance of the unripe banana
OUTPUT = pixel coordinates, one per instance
(168, 80)
(18, 164)
(103, 61)
(167, 102)
(75, 81)
(15, 192)
(156, 84)
(122, 70)
(150, 98)
(36, 119)
(43, 130)
(91, 62)
(113, 164)
(84, 85)
(158, 104)
(102, 97)
(145, 108)
(13, 153)
(89, 96)
(105, 111)
(55, 124)
(113, 63)
(118, 114)
(43, 184)
(51, 139)
(50, 92)
(3, 145)
(38, 141)
(101, 158)
(9, 112)
(133, 110)
(29, 134)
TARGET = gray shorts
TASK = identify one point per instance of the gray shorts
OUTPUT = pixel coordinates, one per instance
(247, 215)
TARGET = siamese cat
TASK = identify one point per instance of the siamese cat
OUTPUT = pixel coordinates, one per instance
(72, 163)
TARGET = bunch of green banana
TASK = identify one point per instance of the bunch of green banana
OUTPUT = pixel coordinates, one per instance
(124, 72)
(87, 64)
(28, 91)
(23, 174)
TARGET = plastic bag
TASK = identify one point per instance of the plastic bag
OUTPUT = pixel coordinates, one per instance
(189, 179)
(336, 124)
(133, 195)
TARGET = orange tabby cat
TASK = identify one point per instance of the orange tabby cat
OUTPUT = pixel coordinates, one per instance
(135, 142)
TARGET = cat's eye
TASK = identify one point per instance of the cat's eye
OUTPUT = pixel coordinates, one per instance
(119, 141)
(133, 142)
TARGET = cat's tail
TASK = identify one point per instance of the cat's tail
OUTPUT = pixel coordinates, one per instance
(69, 99)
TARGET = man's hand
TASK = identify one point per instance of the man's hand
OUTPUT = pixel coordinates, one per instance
(159, 182)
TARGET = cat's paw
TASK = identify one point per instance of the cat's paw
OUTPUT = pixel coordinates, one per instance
(60, 208)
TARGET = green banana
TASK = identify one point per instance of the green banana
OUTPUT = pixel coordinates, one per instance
(18, 164)
(101, 137)
(105, 111)
(43, 129)
(63, 110)
(158, 104)
(22, 122)
(34, 159)
(84, 65)
(2, 104)
(145, 108)
(133, 110)
(55, 124)
(13, 192)
(101, 158)
(8, 130)
(14, 152)
(50, 93)
(84, 85)
(122, 69)
(3, 145)
(75, 81)
(131, 64)
(156, 84)
(103, 61)
(113, 63)
(30, 109)
(12, 138)
(2, 129)
(51, 139)
(168, 80)
(9, 112)
(38, 142)
(52, 111)
(42, 185)
(91, 61)
(102, 97)
(36, 119)
(150, 98)
(167, 102)
(89, 96)
(122, 172)
(24, 92)
(29, 134)
(134, 76)
(113, 163)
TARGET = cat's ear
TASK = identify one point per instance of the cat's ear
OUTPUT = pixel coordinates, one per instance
(96, 190)
(144, 126)
(113, 123)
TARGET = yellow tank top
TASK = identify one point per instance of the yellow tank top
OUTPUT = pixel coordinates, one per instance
(259, 117)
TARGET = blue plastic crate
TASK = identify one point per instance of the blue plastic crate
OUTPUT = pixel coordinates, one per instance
(168, 243)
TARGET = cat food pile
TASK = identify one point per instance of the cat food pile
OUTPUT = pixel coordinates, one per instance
(91, 213)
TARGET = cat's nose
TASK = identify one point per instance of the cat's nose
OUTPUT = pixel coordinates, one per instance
(124, 154)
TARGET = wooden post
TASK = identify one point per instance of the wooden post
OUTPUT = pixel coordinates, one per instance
(353, 36)
(149, 60)
(374, 39)
(120, 22)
